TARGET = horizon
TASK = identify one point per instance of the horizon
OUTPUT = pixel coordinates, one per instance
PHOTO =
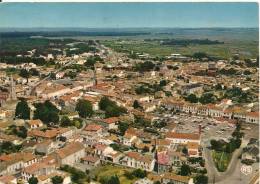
(129, 15)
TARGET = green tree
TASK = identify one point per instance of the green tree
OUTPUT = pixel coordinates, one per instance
(122, 127)
(111, 108)
(104, 103)
(33, 180)
(84, 108)
(216, 145)
(8, 147)
(146, 66)
(163, 83)
(22, 110)
(47, 112)
(57, 180)
(200, 55)
(192, 98)
(24, 73)
(139, 173)
(185, 170)
(136, 104)
(185, 151)
(110, 180)
(65, 121)
(201, 179)
(207, 98)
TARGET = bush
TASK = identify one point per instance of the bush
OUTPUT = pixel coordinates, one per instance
(110, 180)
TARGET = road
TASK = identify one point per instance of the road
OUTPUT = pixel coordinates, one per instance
(219, 177)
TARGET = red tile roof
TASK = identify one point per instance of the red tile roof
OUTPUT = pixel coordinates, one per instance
(111, 120)
(190, 136)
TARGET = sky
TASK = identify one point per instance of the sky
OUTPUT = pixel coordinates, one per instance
(128, 15)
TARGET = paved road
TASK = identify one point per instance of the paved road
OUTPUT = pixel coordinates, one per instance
(213, 174)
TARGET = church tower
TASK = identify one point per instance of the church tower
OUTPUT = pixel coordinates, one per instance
(12, 89)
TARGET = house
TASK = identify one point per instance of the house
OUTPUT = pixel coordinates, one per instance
(70, 154)
(193, 149)
(111, 122)
(15, 162)
(137, 160)
(93, 129)
(183, 138)
(164, 162)
(46, 179)
(90, 160)
(192, 88)
(113, 156)
(36, 123)
(37, 169)
(129, 140)
(8, 179)
(45, 147)
(52, 134)
(176, 179)
(177, 158)
(101, 150)
(252, 117)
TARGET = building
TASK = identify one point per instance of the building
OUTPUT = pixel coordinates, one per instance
(36, 123)
(70, 154)
(15, 162)
(183, 138)
(137, 160)
(90, 160)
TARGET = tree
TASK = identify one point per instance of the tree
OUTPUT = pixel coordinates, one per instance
(207, 98)
(8, 147)
(200, 55)
(22, 110)
(65, 121)
(139, 173)
(57, 180)
(111, 108)
(185, 151)
(24, 73)
(157, 182)
(47, 112)
(185, 170)
(34, 72)
(22, 132)
(122, 127)
(104, 103)
(163, 83)
(201, 179)
(33, 180)
(192, 98)
(144, 67)
(136, 104)
(110, 180)
(84, 108)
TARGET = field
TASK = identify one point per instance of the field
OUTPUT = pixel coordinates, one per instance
(109, 170)
(246, 49)
(242, 41)
(221, 160)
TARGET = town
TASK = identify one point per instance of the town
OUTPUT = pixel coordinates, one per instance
(129, 93)
(91, 114)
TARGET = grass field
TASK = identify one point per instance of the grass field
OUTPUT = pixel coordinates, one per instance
(246, 49)
(221, 160)
(109, 170)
